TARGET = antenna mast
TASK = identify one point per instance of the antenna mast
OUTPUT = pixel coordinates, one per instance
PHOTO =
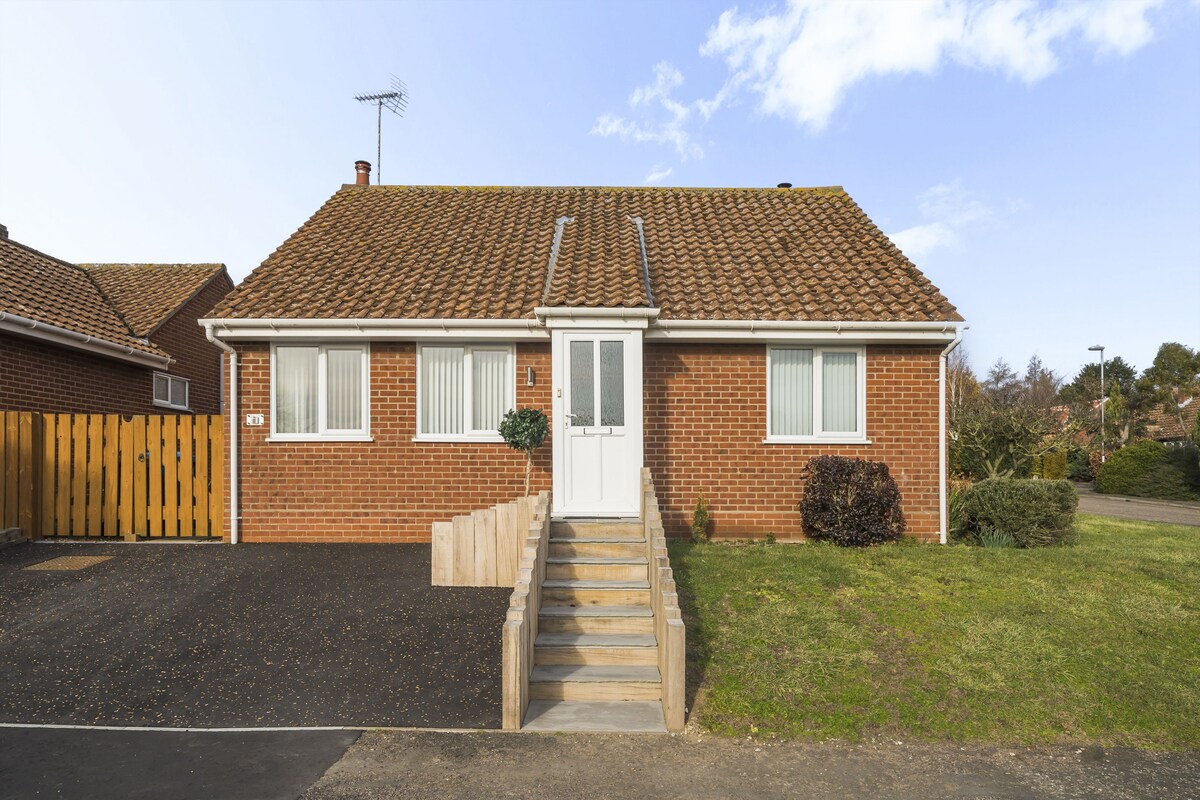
(395, 101)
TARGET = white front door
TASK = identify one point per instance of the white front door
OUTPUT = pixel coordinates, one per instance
(598, 423)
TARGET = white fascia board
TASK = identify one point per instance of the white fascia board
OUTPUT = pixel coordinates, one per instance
(864, 332)
(378, 329)
(11, 323)
(588, 317)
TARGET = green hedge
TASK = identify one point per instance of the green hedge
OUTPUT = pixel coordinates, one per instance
(1035, 513)
(1151, 469)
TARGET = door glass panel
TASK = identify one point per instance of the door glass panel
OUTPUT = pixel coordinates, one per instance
(583, 385)
(612, 383)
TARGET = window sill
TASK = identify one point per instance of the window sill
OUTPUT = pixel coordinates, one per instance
(836, 440)
(318, 438)
(169, 407)
(480, 439)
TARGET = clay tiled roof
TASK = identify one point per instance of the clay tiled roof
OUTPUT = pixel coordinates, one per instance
(43, 288)
(485, 252)
(146, 294)
(1163, 424)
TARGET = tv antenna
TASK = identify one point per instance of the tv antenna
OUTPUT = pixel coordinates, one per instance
(395, 101)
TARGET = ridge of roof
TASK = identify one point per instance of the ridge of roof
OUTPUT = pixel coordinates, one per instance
(825, 190)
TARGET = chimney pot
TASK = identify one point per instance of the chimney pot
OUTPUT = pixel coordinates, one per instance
(784, 185)
(362, 173)
(3, 233)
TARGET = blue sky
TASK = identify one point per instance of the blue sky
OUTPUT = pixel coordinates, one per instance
(1039, 161)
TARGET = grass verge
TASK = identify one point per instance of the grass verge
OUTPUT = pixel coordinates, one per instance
(1099, 642)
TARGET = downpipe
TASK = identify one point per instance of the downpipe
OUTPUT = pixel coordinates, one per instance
(943, 509)
(235, 505)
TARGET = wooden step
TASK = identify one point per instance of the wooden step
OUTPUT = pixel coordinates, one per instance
(562, 682)
(590, 529)
(596, 569)
(590, 548)
(575, 592)
(595, 716)
(599, 649)
(596, 619)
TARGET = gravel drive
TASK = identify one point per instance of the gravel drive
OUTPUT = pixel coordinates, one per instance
(213, 635)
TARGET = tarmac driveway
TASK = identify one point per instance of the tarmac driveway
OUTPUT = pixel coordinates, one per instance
(212, 635)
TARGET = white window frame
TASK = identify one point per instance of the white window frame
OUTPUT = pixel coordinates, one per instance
(323, 433)
(819, 436)
(187, 392)
(468, 434)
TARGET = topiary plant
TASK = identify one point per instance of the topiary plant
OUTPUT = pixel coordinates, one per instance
(851, 501)
(525, 429)
(700, 520)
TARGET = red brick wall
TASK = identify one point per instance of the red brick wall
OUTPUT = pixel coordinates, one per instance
(388, 490)
(195, 357)
(705, 411)
(39, 376)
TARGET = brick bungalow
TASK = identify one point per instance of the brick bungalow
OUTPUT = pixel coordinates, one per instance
(720, 337)
(106, 338)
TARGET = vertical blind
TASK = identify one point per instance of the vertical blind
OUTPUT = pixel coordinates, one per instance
(344, 389)
(791, 392)
(839, 392)
(489, 388)
(296, 389)
(442, 390)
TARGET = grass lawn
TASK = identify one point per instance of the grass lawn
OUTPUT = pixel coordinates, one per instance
(1099, 642)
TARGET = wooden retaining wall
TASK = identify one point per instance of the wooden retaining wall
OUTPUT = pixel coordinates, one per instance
(482, 548)
(668, 621)
(521, 623)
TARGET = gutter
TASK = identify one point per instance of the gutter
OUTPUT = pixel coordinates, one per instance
(943, 510)
(234, 503)
(81, 341)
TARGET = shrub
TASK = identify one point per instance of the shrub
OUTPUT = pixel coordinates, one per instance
(526, 430)
(700, 519)
(850, 502)
(1151, 469)
(1079, 466)
(1033, 513)
(1054, 465)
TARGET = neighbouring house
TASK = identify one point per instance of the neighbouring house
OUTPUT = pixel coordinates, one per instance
(719, 337)
(1164, 425)
(106, 338)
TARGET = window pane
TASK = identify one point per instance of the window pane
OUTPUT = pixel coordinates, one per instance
(489, 388)
(296, 390)
(791, 392)
(441, 390)
(583, 386)
(162, 390)
(343, 385)
(612, 383)
(179, 389)
(839, 393)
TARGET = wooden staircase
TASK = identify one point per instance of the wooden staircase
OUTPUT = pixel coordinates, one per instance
(595, 665)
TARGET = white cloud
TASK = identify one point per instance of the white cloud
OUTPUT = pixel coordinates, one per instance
(948, 209)
(657, 174)
(655, 96)
(802, 61)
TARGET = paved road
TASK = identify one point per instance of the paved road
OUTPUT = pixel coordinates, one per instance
(127, 765)
(1137, 507)
(248, 636)
(482, 766)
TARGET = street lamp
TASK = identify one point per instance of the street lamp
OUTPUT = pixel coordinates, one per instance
(1100, 348)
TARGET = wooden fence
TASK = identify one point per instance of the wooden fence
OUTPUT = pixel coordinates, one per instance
(482, 548)
(112, 476)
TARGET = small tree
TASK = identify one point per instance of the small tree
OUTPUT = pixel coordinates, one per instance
(700, 520)
(525, 429)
